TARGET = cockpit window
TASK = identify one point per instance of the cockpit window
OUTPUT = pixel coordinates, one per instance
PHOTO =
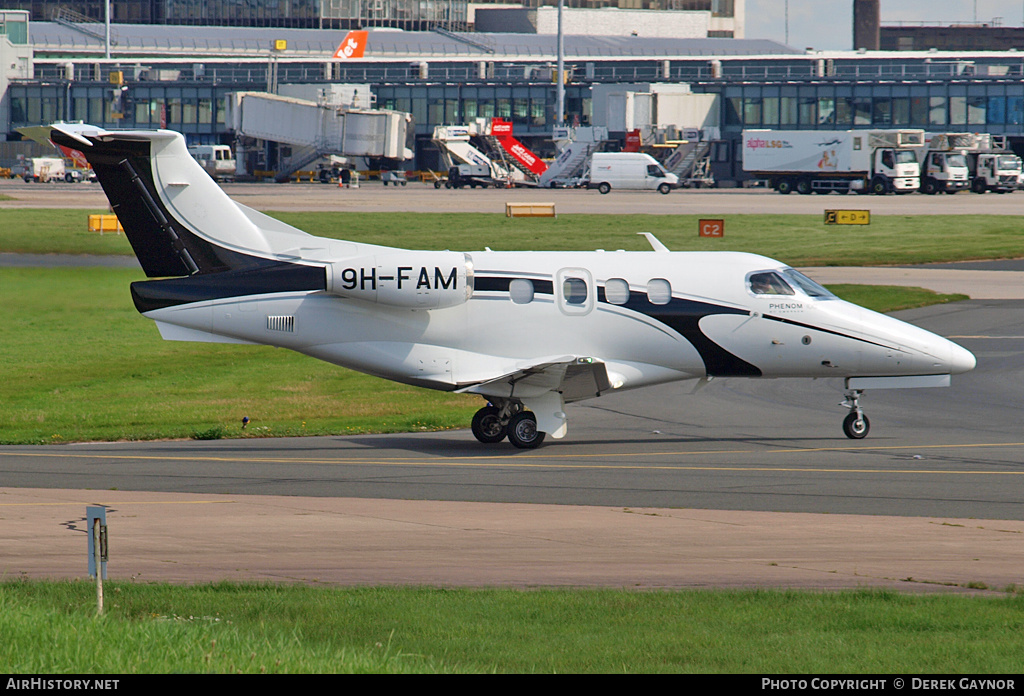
(808, 286)
(768, 283)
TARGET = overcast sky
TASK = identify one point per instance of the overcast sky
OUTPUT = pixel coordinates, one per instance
(828, 24)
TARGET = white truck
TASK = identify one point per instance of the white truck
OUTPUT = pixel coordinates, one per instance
(45, 169)
(956, 161)
(999, 171)
(217, 160)
(628, 170)
(875, 161)
(943, 162)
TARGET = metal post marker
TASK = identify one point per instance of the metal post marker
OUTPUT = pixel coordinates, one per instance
(96, 515)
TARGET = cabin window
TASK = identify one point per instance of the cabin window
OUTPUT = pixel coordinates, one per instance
(575, 291)
(768, 283)
(659, 291)
(616, 291)
(521, 291)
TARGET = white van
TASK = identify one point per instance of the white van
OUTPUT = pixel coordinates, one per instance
(216, 160)
(629, 170)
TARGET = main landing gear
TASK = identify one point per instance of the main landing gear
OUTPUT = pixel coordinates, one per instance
(856, 425)
(496, 421)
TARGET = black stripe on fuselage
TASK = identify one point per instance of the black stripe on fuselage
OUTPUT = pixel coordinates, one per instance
(680, 315)
(276, 277)
(783, 320)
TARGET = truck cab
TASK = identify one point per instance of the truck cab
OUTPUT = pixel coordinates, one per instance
(995, 171)
(899, 166)
(944, 171)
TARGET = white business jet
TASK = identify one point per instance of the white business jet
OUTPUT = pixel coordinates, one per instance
(527, 331)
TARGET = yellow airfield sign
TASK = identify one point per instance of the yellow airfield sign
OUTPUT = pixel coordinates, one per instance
(847, 217)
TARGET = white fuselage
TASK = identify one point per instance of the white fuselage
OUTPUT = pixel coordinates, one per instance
(712, 324)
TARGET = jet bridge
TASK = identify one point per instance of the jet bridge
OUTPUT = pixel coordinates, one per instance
(319, 129)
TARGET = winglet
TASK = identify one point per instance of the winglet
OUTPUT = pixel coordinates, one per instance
(352, 46)
(655, 243)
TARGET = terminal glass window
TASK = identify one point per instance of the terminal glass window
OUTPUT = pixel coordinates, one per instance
(976, 108)
(1015, 110)
(901, 111)
(957, 111)
(937, 107)
(826, 110)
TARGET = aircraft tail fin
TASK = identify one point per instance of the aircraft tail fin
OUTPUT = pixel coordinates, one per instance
(178, 220)
(352, 46)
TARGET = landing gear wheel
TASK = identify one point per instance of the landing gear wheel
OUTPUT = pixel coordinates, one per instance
(856, 425)
(487, 427)
(522, 431)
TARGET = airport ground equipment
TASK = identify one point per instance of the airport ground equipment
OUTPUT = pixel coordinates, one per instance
(485, 153)
(865, 161)
(319, 129)
(575, 147)
(630, 171)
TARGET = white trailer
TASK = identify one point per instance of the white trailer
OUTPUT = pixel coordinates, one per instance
(875, 161)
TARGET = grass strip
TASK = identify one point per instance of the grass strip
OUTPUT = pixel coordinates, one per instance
(799, 240)
(51, 628)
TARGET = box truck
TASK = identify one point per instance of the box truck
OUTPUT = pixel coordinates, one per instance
(875, 161)
(628, 170)
(952, 162)
(44, 169)
(944, 167)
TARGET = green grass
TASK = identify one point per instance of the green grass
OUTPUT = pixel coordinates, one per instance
(51, 628)
(799, 240)
(78, 363)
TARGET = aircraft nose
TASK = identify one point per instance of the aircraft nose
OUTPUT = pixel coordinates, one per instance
(960, 359)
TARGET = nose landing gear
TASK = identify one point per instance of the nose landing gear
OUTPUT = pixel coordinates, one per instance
(856, 425)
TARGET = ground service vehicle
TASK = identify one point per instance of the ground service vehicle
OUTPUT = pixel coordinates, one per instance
(979, 161)
(943, 164)
(629, 170)
(865, 161)
(217, 160)
(44, 169)
(995, 171)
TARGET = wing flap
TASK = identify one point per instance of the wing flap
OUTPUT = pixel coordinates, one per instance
(574, 377)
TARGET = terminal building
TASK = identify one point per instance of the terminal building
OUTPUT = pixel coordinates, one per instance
(707, 80)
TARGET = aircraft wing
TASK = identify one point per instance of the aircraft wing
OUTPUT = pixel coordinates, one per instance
(574, 377)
